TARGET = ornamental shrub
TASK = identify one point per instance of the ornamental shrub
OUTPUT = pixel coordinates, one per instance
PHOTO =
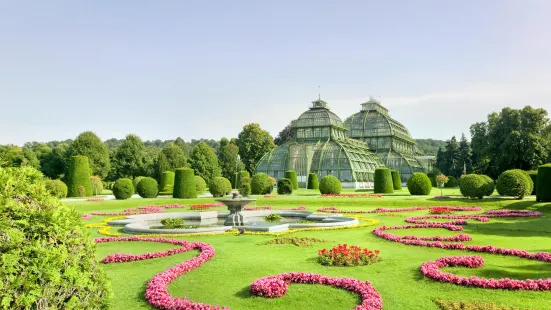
(515, 182)
(167, 182)
(419, 184)
(489, 185)
(475, 186)
(396, 180)
(452, 182)
(219, 187)
(78, 175)
(245, 189)
(260, 184)
(543, 193)
(330, 185)
(284, 186)
(227, 185)
(136, 181)
(240, 176)
(383, 181)
(56, 188)
(97, 185)
(172, 222)
(200, 185)
(292, 176)
(148, 188)
(48, 257)
(123, 188)
(184, 183)
(313, 181)
(533, 174)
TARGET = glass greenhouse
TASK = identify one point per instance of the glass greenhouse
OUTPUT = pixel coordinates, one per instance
(320, 145)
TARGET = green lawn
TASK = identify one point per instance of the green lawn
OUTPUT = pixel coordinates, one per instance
(239, 260)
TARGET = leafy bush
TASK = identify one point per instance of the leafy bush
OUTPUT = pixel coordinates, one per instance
(292, 176)
(219, 187)
(419, 184)
(284, 186)
(273, 217)
(123, 189)
(240, 176)
(396, 180)
(79, 176)
(148, 188)
(515, 182)
(167, 182)
(330, 185)
(97, 185)
(200, 185)
(533, 174)
(261, 184)
(313, 181)
(245, 189)
(543, 192)
(489, 185)
(172, 222)
(136, 181)
(56, 188)
(184, 183)
(452, 182)
(48, 258)
(475, 186)
(383, 181)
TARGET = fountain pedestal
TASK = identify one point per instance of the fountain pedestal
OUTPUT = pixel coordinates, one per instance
(235, 205)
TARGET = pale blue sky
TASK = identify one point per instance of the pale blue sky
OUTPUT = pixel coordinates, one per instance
(203, 69)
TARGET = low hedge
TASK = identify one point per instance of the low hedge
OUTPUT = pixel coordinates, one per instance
(419, 184)
(515, 182)
(57, 188)
(184, 183)
(123, 189)
(292, 176)
(313, 182)
(330, 185)
(396, 180)
(148, 188)
(383, 181)
(245, 189)
(200, 185)
(284, 186)
(543, 192)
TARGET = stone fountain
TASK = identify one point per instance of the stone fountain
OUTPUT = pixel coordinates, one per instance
(235, 205)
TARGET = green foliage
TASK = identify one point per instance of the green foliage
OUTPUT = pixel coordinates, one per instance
(79, 176)
(471, 305)
(172, 222)
(419, 184)
(476, 186)
(330, 185)
(396, 180)
(489, 185)
(285, 135)
(55, 164)
(56, 188)
(515, 182)
(89, 144)
(533, 174)
(243, 174)
(123, 188)
(273, 217)
(204, 162)
(429, 146)
(136, 181)
(228, 158)
(253, 143)
(245, 189)
(383, 181)
(170, 158)
(131, 158)
(148, 188)
(543, 192)
(260, 184)
(184, 183)
(432, 176)
(200, 185)
(452, 182)
(219, 187)
(167, 182)
(97, 185)
(313, 182)
(48, 258)
(284, 186)
(292, 176)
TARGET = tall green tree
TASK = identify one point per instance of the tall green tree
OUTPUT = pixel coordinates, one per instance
(228, 158)
(89, 144)
(186, 147)
(205, 163)
(480, 146)
(170, 158)
(465, 155)
(130, 159)
(440, 159)
(253, 143)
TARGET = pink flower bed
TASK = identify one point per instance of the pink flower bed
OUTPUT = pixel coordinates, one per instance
(385, 210)
(95, 199)
(299, 208)
(86, 216)
(205, 206)
(173, 206)
(133, 211)
(352, 195)
(277, 286)
(247, 208)
(270, 196)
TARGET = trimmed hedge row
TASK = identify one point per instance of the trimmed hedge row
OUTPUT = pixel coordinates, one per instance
(184, 183)
(78, 177)
(533, 174)
(292, 176)
(313, 182)
(383, 181)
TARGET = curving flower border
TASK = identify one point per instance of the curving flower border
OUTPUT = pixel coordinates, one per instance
(386, 210)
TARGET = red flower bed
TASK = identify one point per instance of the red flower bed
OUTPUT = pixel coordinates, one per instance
(352, 195)
(95, 199)
(344, 255)
(440, 210)
(247, 208)
(277, 286)
(270, 196)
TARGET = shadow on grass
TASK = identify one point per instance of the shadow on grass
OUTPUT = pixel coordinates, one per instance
(244, 293)
(534, 271)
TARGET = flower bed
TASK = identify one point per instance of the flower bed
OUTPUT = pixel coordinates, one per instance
(95, 199)
(133, 211)
(270, 196)
(299, 208)
(247, 208)
(440, 210)
(352, 195)
(205, 206)
(86, 216)
(173, 206)
(385, 210)
(344, 255)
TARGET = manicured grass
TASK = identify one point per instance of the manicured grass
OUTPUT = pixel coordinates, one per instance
(239, 260)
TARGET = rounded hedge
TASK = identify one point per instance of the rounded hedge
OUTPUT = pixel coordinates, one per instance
(167, 182)
(543, 192)
(284, 186)
(48, 258)
(475, 185)
(260, 184)
(184, 183)
(396, 180)
(97, 185)
(383, 181)
(313, 182)
(245, 189)
(452, 182)
(292, 176)
(123, 188)
(219, 187)
(200, 185)
(56, 188)
(515, 182)
(240, 176)
(330, 185)
(419, 184)
(148, 188)
(489, 185)
(136, 181)
(78, 177)
(533, 174)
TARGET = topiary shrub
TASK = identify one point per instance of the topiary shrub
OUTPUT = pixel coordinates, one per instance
(79, 176)
(284, 186)
(228, 186)
(475, 186)
(184, 183)
(240, 176)
(200, 185)
(533, 174)
(383, 181)
(419, 184)
(148, 188)
(136, 181)
(452, 182)
(396, 180)
(330, 185)
(97, 185)
(167, 182)
(48, 257)
(260, 184)
(56, 188)
(123, 189)
(489, 185)
(543, 192)
(515, 182)
(313, 181)
(219, 187)
(292, 176)
(245, 189)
